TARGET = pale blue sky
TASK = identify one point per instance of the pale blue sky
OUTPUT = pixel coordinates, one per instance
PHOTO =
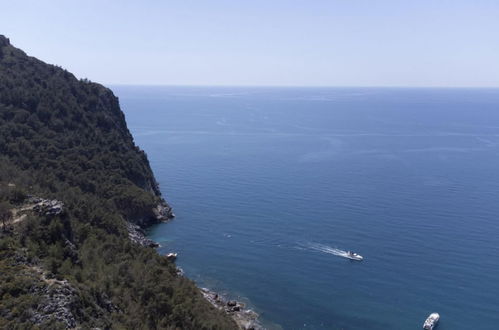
(271, 42)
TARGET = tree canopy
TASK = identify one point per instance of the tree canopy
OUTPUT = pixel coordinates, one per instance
(67, 139)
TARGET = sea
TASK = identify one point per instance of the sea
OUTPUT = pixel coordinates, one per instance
(271, 186)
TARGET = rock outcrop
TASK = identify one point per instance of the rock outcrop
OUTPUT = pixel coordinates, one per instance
(245, 318)
(58, 299)
(46, 207)
(137, 235)
(163, 211)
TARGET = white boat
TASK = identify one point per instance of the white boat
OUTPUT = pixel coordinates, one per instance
(354, 256)
(171, 256)
(431, 321)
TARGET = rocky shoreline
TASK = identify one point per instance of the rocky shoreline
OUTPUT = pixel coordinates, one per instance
(245, 318)
(137, 235)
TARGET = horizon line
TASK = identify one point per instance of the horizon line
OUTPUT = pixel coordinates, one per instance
(299, 86)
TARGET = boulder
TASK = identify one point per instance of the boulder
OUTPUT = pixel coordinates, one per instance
(47, 207)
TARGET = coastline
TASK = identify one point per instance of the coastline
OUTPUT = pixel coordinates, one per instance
(245, 318)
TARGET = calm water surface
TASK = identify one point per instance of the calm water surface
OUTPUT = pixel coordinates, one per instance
(269, 185)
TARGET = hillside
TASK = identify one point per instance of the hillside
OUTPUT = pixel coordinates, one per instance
(65, 141)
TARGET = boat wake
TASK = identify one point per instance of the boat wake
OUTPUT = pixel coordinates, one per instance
(327, 249)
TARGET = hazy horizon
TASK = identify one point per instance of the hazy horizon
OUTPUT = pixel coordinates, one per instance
(386, 43)
(298, 86)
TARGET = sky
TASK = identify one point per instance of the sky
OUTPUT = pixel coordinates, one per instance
(401, 43)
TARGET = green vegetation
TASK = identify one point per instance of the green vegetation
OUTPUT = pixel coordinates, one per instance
(66, 139)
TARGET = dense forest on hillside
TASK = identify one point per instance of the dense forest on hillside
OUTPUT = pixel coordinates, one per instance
(66, 139)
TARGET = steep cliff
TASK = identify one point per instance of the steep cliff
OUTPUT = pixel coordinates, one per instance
(66, 139)
(58, 124)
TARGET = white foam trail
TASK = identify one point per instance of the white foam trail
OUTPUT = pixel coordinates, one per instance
(327, 249)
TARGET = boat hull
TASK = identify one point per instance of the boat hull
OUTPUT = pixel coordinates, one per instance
(431, 321)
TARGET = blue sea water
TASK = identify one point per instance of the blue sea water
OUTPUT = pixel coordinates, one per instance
(269, 185)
